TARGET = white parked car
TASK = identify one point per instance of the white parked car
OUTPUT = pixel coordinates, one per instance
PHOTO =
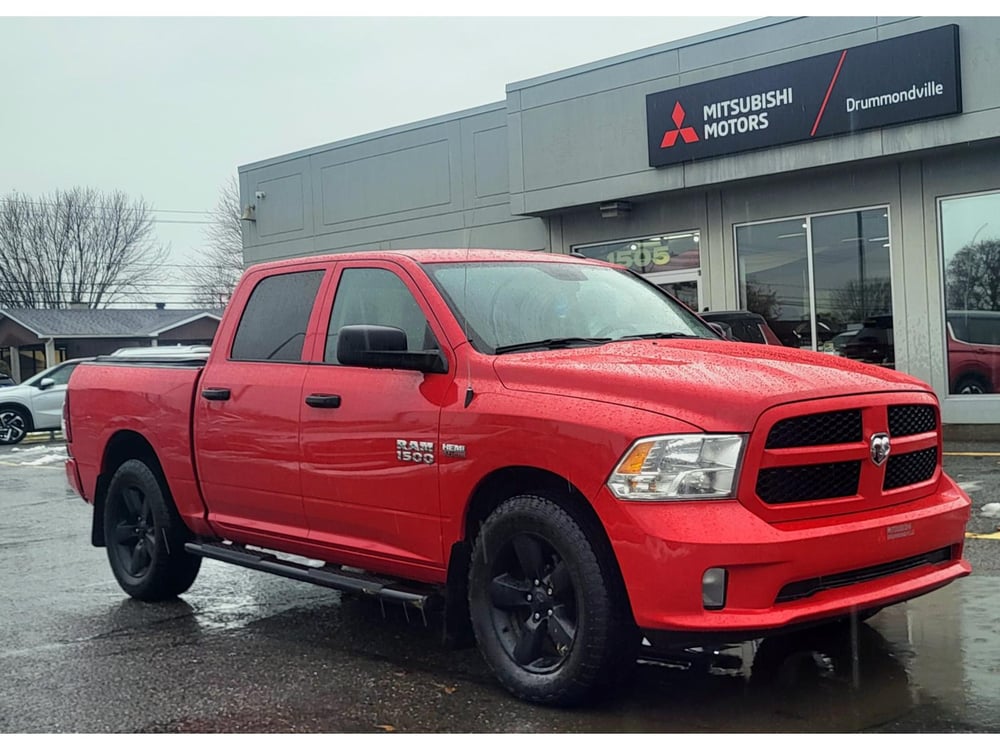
(35, 405)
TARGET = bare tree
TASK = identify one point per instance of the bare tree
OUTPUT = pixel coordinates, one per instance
(762, 300)
(973, 277)
(214, 274)
(78, 246)
(855, 301)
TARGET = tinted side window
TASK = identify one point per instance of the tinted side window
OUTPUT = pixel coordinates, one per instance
(375, 296)
(984, 330)
(749, 330)
(273, 326)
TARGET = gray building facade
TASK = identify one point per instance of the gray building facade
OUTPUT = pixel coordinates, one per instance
(841, 176)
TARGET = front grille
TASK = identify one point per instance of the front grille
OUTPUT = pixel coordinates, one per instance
(828, 428)
(911, 420)
(909, 468)
(810, 586)
(793, 484)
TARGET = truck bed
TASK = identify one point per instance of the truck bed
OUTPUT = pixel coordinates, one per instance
(151, 395)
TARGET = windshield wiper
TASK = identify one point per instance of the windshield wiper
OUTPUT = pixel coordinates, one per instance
(659, 335)
(563, 343)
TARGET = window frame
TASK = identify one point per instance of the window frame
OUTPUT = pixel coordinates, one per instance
(939, 202)
(304, 357)
(807, 217)
(324, 310)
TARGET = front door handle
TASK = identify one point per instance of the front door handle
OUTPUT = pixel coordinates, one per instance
(323, 400)
(215, 394)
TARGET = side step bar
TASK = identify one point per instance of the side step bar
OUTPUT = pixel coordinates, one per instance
(331, 576)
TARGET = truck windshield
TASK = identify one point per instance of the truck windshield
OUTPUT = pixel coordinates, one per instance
(514, 306)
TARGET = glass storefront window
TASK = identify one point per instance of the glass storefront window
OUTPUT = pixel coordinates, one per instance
(853, 285)
(970, 246)
(671, 261)
(670, 252)
(822, 282)
(774, 275)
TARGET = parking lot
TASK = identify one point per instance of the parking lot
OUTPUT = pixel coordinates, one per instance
(247, 652)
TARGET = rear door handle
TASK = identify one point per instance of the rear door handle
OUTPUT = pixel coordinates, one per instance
(215, 394)
(323, 400)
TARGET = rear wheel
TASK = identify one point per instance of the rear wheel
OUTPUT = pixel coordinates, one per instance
(145, 536)
(15, 423)
(547, 610)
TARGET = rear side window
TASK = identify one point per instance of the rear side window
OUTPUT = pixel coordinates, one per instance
(273, 326)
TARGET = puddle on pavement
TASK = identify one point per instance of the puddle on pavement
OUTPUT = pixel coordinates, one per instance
(932, 664)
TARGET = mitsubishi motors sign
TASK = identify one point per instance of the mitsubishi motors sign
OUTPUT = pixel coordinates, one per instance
(903, 79)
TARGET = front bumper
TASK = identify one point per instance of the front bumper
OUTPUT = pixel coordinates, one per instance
(664, 549)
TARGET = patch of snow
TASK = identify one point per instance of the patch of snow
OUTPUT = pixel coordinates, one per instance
(52, 458)
(970, 486)
(990, 510)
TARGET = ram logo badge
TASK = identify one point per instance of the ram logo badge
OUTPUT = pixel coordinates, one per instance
(416, 451)
(880, 448)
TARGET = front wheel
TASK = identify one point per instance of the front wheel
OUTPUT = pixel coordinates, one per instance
(548, 612)
(14, 425)
(145, 536)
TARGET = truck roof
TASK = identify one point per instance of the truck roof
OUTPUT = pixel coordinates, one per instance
(440, 255)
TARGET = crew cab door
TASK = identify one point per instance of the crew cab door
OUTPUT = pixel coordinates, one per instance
(364, 493)
(246, 429)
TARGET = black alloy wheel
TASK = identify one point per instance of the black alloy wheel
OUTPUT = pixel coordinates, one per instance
(548, 608)
(534, 604)
(134, 538)
(145, 535)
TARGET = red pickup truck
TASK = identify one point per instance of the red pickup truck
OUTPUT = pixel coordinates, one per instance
(551, 449)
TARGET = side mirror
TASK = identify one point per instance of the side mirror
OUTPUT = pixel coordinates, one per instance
(384, 347)
(46, 383)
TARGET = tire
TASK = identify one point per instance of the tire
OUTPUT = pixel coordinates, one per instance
(15, 424)
(145, 536)
(972, 384)
(547, 607)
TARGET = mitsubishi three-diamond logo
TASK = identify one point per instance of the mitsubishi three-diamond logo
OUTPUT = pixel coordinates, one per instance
(687, 134)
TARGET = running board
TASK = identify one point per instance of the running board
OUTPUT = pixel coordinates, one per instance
(331, 576)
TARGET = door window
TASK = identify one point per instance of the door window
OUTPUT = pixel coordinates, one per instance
(61, 375)
(376, 296)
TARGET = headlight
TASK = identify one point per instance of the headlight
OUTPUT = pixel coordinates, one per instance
(679, 467)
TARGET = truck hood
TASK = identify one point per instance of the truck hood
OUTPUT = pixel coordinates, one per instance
(717, 386)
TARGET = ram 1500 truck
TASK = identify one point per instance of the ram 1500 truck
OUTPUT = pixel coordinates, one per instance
(551, 449)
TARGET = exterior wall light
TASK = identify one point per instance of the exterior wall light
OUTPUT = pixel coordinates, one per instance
(614, 209)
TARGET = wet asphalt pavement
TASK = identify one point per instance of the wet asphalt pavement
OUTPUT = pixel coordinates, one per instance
(243, 651)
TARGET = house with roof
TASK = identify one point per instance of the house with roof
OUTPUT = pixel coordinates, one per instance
(32, 340)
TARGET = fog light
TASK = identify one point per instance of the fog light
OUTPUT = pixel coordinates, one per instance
(713, 588)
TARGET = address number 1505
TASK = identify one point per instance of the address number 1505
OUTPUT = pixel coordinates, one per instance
(640, 257)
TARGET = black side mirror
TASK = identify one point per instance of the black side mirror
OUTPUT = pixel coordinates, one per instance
(385, 348)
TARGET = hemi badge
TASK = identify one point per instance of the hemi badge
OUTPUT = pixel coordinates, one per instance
(452, 450)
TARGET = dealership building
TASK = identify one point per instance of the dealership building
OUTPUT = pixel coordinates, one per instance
(839, 176)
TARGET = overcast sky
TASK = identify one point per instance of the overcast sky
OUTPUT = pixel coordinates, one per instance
(169, 108)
